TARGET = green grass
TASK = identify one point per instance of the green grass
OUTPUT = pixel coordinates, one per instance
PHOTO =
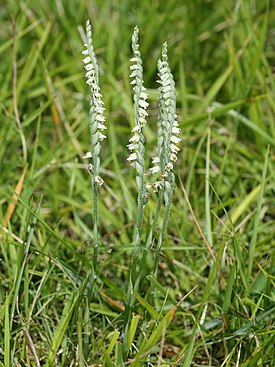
(212, 302)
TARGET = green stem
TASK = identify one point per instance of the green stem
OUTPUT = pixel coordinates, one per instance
(134, 270)
(164, 222)
(95, 228)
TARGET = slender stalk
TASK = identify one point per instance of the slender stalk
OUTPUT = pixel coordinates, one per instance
(167, 146)
(94, 187)
(136, 159)
(208, 224)
(96, 127)
(168, 202)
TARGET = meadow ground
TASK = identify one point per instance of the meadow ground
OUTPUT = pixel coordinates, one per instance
(222, 55)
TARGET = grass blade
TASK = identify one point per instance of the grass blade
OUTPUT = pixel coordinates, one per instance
(257, 217)
(208, 226)
(7, 335)
(61, 328)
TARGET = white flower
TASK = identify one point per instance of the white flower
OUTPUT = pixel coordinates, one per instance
(142, 121)
(134, 74)
(88, 67)
(102, 136)
(173, 157)
(175, 130)
(87, 59)
(163, 175)
(137, 128)
(89, 73)
(132, 146)
(143, 104)
(143, 95)
(155, 160)
(134, 67)
(156, 186)
(100, 118)
(174, 148)
(169, 166)
(175, 139)
(99, 180)
(96, 105)
(134, 139)
(101, 126)
(154, 169)
(132, 157)
(134, 59)
(87, 155)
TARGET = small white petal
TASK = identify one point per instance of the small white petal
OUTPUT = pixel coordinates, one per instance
(142, 121)
(99, 180)
(166, 82)
(167, 95)
(88, 67)
(155, 186)
(134, 74)
(134, 59)
(97, 92)
(174, 148)
(175, 130)
(89, 73)
(137, 128)
(134, 67)
(134, 139)
(87, 59)
(175, 139)
(142, 112)
(163, 175)
(167, 89)
(154, 169)
(132, 157)
(132, 146)
(155, 160)
(99, 109)
(169, 166)
(143, 95)
(173, 157)
(102, 136)
(87, 155)
(85, 52)
(90, 81)
(100, 118)
(143, 103)
(101, 126)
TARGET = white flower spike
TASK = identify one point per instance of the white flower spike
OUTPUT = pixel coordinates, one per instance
(97, 119)
(136, 142)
